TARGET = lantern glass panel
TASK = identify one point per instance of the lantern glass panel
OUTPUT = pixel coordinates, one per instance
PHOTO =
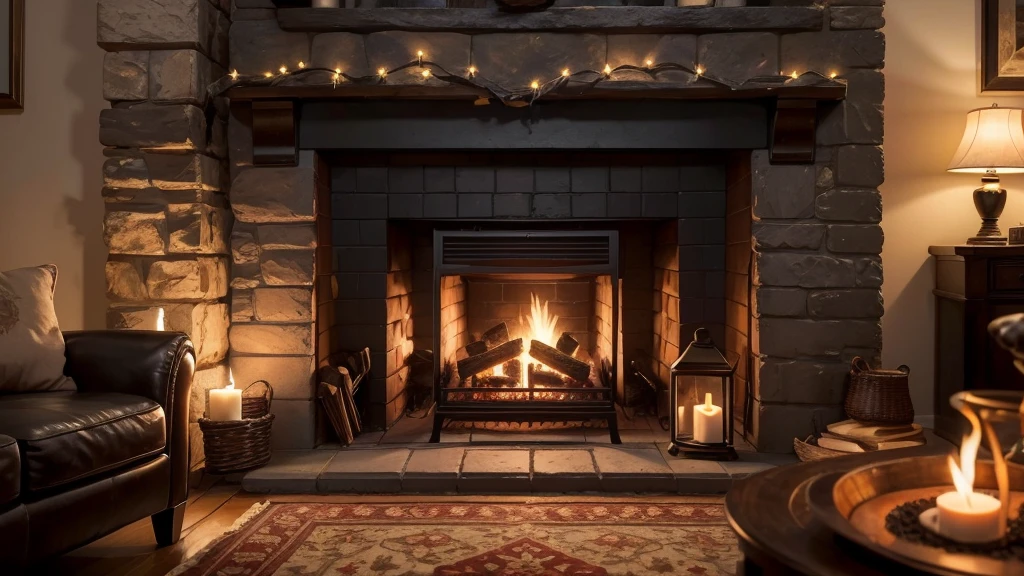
(690, 393)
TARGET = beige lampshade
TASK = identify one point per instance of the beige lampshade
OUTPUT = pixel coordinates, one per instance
(993, 140)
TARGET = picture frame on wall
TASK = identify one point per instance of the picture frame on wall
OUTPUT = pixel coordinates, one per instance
(12, 54)
(1002, 46)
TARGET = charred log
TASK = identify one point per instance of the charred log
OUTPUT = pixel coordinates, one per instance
(567, 344)
(558, 361)
(489, 359)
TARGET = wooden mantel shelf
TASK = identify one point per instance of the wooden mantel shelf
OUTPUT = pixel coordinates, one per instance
(610, 19)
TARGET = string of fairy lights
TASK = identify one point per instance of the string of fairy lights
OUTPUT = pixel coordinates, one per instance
(581, 80)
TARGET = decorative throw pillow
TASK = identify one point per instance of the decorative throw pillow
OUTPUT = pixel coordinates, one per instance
(31, 345)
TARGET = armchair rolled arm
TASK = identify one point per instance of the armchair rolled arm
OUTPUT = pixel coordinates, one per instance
(155, 365)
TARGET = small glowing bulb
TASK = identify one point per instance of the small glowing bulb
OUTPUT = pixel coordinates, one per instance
(234, 74)
(426, 73)
(337, 77)
(282, 70)
(337, 71)
(566, 73)
(302, 65)
(833, 75)
(607, 70)
(649, 63)
(382, 72)
(268, 74)
(419, 53)
(535, 85)
(794, 75)
(472, 70)
(699, 71)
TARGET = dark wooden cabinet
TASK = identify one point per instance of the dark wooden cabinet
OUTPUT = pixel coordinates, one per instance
(973, 286)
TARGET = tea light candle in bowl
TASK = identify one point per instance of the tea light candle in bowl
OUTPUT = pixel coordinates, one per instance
(971, 518)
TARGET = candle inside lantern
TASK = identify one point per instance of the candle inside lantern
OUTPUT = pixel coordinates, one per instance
(707, 422)
(226, 403)
(965, 515)
(325, 3)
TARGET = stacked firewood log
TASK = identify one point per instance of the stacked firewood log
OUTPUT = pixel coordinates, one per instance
(496, 348)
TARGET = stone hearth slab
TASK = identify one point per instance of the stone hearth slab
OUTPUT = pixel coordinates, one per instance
(289, 472)
(433, 470)
(365, 471)
(633, 470)
(500, 470)
(564, 471)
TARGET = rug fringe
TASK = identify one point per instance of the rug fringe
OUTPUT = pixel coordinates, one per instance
(237, 525)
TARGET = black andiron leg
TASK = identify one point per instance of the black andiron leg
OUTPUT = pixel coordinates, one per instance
(613, 429)
(435, 433)
(167, 525)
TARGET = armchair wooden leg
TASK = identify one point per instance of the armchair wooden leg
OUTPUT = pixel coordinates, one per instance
(167, 524)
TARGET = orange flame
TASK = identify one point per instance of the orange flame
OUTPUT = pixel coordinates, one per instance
(963, 475)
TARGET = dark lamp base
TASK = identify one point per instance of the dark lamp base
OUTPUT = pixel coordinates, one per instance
(987, 241)
(989, 200)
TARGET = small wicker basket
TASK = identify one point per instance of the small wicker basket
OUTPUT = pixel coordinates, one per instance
(808, 451)
(879, 396)
(240, 445)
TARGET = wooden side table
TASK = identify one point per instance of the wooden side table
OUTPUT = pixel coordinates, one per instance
(973, 286)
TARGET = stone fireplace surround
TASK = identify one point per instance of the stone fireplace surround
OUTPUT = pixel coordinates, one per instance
(236, 253)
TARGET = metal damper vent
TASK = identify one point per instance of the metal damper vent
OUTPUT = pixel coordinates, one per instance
(566, 251)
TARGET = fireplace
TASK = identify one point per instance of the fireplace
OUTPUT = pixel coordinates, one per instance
(538, 306)
(279, 223)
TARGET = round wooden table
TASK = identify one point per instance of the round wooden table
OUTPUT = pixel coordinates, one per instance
(778, 533)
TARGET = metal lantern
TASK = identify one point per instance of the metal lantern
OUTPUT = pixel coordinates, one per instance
(701, 402)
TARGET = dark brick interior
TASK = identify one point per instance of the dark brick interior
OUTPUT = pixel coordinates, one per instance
(669, 208)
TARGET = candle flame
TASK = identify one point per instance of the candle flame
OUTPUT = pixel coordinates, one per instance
(160, 319)
(963, 475)
(231, 380)
(707, 401)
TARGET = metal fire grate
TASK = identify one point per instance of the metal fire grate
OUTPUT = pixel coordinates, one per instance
(503, 253)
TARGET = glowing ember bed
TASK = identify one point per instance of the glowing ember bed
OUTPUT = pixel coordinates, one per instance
(541, 311)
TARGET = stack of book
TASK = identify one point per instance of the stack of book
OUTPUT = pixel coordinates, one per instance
(852, 436)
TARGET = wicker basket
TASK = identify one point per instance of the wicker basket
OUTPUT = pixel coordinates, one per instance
(807, 451)
(879, 396)
(240, 445)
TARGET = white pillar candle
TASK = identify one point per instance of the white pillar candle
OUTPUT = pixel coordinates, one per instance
(325, 3)
(160, 319)
(226, 403)
(971, 518)
(707, 422)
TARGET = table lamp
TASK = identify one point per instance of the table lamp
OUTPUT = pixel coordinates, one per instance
(993, 144)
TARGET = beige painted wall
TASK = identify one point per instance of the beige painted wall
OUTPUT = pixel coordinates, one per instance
(932, 58)
(51, 210)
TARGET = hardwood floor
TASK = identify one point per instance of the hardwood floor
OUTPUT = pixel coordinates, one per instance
(214, 506)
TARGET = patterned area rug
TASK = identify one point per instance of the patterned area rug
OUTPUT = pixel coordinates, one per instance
(467, 538)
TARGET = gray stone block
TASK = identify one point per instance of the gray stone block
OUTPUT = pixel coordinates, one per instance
(552, 205)
(433, 470)
(553, 180)
(128, 25)
(589, 205)
(135, 232)
(283, 304)
(633, 470)
(405, 179)
(791, 302)
(493, 471)
(625, 205)
(474, 180)
(197, 229)
(293, 427)
(855, 239)
(784, 269)
(511, 205)
(861, 166)
(393, 49)
(515, 60)
(341, 51)
(827, 52)
(800, 381)
(363, 259)
(626, 179)
(372, 179)
(276, 194)
(241, 306)
(287, 236)
(140, 170)
(660, 179)
(405, 206)
(792, 338)
(865, 303)
(124, 282)
(781, 191)
(438, 179)
(440, 206)
(360, 206)
(515, 180)
(849, 205)
(702, 205)
(272, 339)
(775, 425)
(475, 206)
(364, 471)
(857, 18)
(737, 57)
(148, 126)
(244, 249)
(788, 236)
(260, 46)
(125, 76)
(288, 472)
(660, 205)
(858, 119)
(287, 267)
(180, 76)
(564, 471)
(204, 278)
(590, 179)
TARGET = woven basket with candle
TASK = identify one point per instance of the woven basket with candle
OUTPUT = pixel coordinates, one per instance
(243, 444)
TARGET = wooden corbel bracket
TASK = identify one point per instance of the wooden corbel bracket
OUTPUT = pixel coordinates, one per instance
(793, 131)
(275, 140)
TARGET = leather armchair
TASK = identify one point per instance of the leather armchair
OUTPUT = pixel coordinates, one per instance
(109, 454)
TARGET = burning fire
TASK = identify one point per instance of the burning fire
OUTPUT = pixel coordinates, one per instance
(963, 475)
(541, 328)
